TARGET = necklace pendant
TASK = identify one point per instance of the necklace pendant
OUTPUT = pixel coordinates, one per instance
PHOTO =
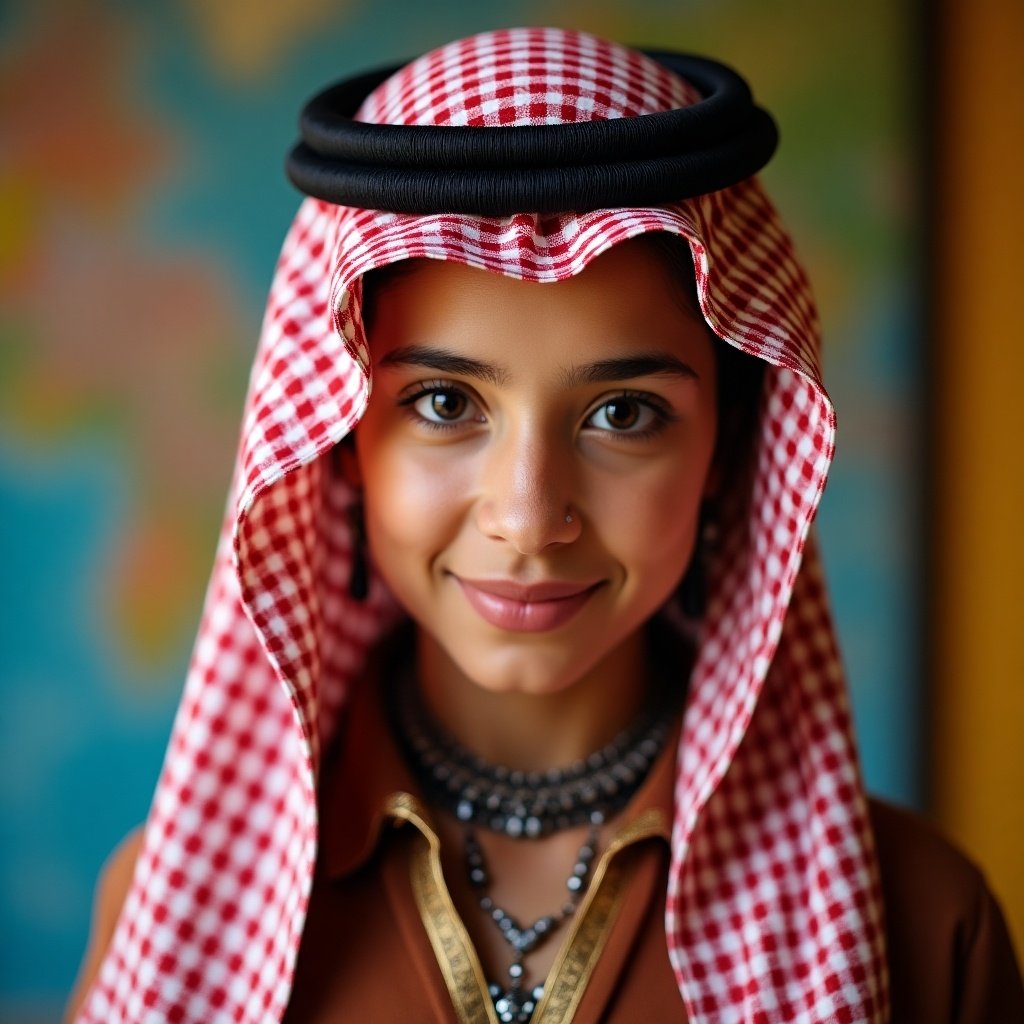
(514, 1006)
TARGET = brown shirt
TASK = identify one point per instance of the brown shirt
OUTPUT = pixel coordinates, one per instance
(950, 954)
(383, 942)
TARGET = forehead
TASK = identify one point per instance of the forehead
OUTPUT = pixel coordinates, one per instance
(630, 296)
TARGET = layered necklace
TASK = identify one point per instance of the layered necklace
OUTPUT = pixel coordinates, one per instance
(526, 805)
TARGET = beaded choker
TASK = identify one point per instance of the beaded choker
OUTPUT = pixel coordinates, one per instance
(527, 804)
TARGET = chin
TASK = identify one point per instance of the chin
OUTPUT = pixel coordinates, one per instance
(512, 669)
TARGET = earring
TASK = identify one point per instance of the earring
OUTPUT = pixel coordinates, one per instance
(359, 572)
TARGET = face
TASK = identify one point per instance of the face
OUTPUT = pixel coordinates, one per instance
(533, 460)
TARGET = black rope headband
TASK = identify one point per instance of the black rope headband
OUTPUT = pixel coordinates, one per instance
(647, 160)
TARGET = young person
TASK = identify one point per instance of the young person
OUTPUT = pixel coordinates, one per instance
(516, 695)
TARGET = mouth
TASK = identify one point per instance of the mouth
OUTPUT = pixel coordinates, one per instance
(527, 607)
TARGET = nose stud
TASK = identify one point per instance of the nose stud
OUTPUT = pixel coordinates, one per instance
(568, 517)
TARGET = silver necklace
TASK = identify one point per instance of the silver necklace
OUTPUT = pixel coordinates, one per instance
(515, 1004)
(527, 804)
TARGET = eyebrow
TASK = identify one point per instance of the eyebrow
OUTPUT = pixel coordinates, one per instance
(443, 361)
(645, 364)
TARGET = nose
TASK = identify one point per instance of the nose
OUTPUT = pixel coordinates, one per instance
(526, 494)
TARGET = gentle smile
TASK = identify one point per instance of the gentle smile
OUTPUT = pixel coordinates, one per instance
(527, 607)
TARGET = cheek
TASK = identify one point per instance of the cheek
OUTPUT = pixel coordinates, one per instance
(410, 508)
(664, 528)
(653, 526)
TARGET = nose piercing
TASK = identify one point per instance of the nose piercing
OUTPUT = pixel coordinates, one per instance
(568, 517)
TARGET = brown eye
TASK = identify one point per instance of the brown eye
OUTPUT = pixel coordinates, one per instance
(443, 407)
(448, 405)
(630, 416)
(621, 413)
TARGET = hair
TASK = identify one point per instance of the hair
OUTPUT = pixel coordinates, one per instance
(740, 376)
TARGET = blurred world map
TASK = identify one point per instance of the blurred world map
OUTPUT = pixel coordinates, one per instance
(142, 204)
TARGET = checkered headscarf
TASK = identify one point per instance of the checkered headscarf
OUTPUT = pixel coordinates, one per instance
(774, 908)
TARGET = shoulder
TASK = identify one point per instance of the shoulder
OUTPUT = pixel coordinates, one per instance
(950, 953)
(111, 890)
(913, 851)
(116, 877)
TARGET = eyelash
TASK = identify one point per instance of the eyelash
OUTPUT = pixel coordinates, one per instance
(662, 413)
(434, 387)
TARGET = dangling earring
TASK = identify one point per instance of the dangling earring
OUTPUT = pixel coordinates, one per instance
(359, 572)
(692, 589)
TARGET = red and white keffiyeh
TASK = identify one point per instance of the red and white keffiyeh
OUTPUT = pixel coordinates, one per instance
(774, 907)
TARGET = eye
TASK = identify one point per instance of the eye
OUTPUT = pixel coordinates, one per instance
(628, 414)
(442, 405)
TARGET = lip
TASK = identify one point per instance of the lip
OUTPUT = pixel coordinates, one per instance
(527, 607)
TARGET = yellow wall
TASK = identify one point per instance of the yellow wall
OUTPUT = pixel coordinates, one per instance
(978, 741)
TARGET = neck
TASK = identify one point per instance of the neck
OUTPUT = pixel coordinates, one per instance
(537, 732)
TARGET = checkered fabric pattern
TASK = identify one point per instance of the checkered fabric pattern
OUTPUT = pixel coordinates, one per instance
(774, 910)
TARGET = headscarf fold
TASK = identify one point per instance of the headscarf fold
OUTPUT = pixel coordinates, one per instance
(774, 908)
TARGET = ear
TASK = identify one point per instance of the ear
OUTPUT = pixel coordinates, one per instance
(345, 462)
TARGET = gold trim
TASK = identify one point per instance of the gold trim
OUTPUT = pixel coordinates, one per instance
(453, 949)
(652, 822)
(577, 959)
(582, 947)
(580, 950)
